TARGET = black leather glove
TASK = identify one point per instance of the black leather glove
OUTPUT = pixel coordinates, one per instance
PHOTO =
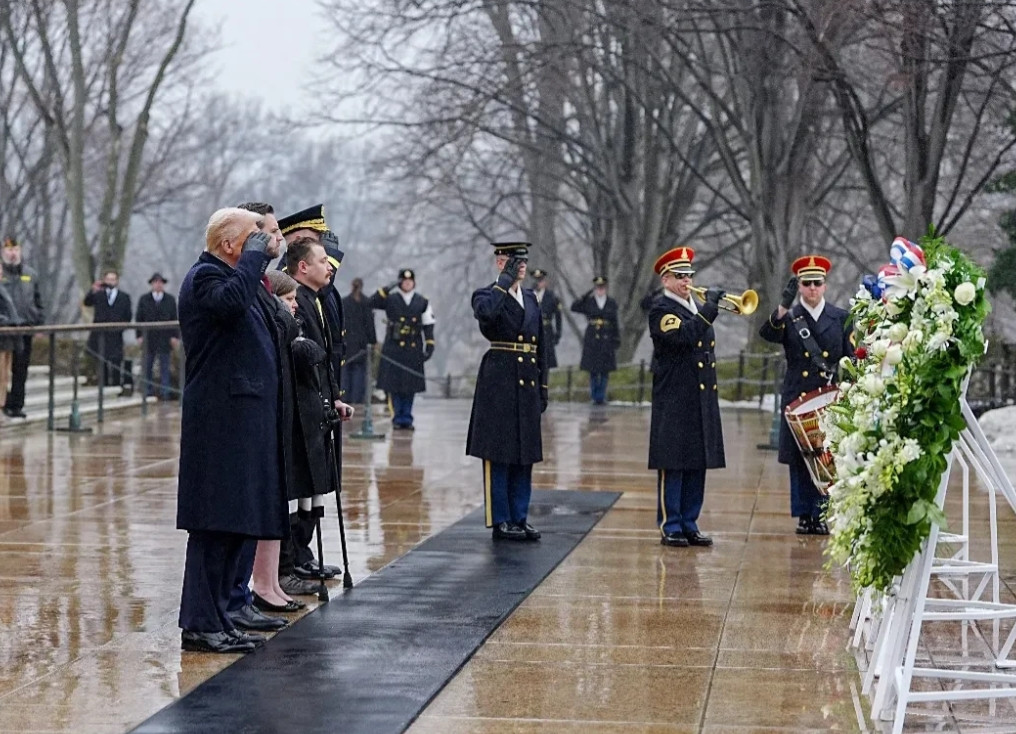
(330, 239)
(257, 242)
(713, 296)
(510, 271)
(789, 293)
(428, 351)
(544, 401)
(391, 287)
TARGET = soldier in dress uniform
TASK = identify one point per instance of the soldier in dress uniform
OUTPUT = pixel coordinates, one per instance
(685, 435)
(511, 393)
(550, 308)
(602, 337)
(814, 335)
(408, 344)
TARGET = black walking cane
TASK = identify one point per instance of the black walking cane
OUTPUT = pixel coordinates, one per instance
(334, 422)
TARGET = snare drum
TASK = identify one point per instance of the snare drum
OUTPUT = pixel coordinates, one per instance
(802, 416)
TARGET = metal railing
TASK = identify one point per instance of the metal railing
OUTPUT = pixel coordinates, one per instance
(51, 331)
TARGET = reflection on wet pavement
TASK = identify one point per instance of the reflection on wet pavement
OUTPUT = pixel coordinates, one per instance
(625, 635)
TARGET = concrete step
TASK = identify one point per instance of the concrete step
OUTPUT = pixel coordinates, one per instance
(38, 414)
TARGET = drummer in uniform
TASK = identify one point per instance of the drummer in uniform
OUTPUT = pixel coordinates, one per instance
(602, 338)
(511, 393)
(550, 307)
(815, 335)
(685, 435)
(408, 344)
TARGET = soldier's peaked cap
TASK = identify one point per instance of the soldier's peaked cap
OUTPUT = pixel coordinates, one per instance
(815, 267)
(677, 260)
(518, 249)
(313, 217)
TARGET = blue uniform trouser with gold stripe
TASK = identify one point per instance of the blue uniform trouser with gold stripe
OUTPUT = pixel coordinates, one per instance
(679, 497)
(402, 409)
(506, 491)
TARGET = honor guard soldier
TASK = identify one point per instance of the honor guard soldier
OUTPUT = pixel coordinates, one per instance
(685, 435)
(814, 335)
(511, 393)
(550, 308)
(602, 338)
(408, 344)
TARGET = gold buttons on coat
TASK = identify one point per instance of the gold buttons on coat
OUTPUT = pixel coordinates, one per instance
(712, 364)
(402, 344)
(522, 382)
(534, 340)
(825, 354)
(714, 387)
(532, 383)
(342, 363)
(701, 386)
(521, 337)
(712, 343)
(520, 359)
(402, 318)
(804, 374)
(533, 360)
(700, 344)
(806, 354)
(700, 365)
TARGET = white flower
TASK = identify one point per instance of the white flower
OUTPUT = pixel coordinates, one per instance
(880, 347)
(897, 332)
(913, 339)
(894, 355)
(892, 308)
(873, 385)
(964, 293)
(981, 282)
(938, 340)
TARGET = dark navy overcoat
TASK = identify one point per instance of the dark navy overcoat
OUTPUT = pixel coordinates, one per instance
(685, 431)
(403, 351)
(832, 334)
(602, 338)
(504, 425)
(230, 449)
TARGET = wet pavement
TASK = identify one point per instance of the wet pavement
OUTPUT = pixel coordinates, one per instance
(625, 635)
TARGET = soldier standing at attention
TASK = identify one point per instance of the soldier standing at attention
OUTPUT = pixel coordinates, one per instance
(602, 338)
(685, 435)
(550, 308)
(409, 343)
(511, 393)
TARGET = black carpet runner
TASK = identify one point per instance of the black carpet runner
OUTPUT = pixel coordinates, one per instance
(370, 660)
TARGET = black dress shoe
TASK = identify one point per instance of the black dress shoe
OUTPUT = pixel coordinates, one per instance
(508, 531)
(803, 525)
(294, 587)
(674, 540)
(261, 605)
(819, 527)
(309, 570)
(531, 532)
(14, 413)
(220, 642)
(249, 618)
(697, 538)
(240, 636)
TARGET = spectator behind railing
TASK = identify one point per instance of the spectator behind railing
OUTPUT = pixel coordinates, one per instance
(22, 285)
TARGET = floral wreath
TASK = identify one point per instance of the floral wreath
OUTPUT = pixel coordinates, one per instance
(918, 330)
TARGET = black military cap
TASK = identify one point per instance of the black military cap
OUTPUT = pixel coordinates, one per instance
(157, 276)
(600, 280)
(539, 274)
(406, 274)
(313, 217)
(518, 249)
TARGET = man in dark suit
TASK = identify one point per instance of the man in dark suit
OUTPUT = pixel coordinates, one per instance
(599, 347)
(685, 434)
(111, 306)
(814, 335)
(230, 479)
(550, 309)
(360, 338)
(511, 393)
(409, 343)
(153, 307)
(21, 282)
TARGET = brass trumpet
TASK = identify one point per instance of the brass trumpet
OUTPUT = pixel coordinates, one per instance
(743, 305)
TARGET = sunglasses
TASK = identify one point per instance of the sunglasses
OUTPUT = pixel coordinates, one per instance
(812, 283)
(682, 276)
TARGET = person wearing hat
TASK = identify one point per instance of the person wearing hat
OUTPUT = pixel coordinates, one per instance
(510, 395)
(685, 434)
(602, 338)
(157, 344)
(21, 283)
(409, 343)
(550, 308)
(111, 305)
(815, 335)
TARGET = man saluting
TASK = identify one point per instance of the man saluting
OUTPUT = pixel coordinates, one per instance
(511, 393)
